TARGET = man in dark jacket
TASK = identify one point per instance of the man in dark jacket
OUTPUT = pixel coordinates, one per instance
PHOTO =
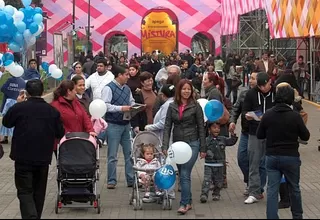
(31, 72)
(260, 98)
(32, 146)
(281, 127)
(243, 160)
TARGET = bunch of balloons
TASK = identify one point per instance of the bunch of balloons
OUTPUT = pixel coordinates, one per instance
(52, 70)
(7, 60)
(20, 28)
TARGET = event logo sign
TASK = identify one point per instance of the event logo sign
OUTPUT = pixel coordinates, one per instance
(158, 33)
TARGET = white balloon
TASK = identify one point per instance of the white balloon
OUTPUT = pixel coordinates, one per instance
(2, 4)
(56, 73)
(18, 16)
(1, 53)
(180, 152)
(203, 103)
(40, 29)
(97, 108)
(27, 35)
(31, 41)
(52, 67)
(11, 68)
(18, 71)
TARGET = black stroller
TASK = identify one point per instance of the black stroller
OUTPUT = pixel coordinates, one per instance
(78, 171)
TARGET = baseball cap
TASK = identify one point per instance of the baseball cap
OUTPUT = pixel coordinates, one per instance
(262, 78)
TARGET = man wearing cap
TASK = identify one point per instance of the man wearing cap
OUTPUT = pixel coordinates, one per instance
(259, 98)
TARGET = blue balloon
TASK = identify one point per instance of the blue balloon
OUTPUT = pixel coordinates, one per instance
(165, 177)
(3, 18)
(213, 110)
(15, 47)
(21, 26)
(7, 57)
(26, 2)
(38, 10)
(18, 37)
(45, 66)
(33, 28)
(37, 18)
(7, 63)
(4, 29)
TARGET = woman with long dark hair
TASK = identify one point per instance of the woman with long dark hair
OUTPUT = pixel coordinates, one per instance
(185, 115)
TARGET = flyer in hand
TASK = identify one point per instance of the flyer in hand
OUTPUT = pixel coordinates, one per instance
(133, 111)
(256, 115)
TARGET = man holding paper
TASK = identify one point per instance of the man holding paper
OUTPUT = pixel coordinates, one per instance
(118, 98)
(256, 102)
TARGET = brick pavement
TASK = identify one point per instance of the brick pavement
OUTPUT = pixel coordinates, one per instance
(115, 203)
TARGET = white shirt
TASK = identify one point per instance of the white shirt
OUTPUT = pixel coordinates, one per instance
(97, 83)
(265, 62)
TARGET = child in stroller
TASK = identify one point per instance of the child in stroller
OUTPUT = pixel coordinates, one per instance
(148, 161)
(145, 166)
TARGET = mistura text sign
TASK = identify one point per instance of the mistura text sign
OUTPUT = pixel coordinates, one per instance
(158, 33)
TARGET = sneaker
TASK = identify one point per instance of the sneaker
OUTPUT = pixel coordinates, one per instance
(111, 186)
(147, 195)
(251, 200)
(215, 197)
(159, 193)
(203, 198)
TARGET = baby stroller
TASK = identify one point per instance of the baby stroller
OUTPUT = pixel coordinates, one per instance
(147, 137)
(78, 171)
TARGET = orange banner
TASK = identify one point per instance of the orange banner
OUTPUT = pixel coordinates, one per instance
(158, 33)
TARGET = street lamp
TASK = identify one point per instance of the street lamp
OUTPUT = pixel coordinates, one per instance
(88, 33)
(73, 28)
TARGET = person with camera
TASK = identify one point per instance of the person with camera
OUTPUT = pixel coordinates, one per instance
(32, 146)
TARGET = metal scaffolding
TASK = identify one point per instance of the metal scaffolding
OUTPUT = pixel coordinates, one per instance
(254, 35)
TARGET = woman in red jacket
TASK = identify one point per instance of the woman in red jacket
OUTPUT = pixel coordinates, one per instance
(73, 115)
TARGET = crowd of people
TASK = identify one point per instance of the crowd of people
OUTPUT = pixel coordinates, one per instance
(169, 87)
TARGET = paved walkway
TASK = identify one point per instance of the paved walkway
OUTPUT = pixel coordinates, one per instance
(115, 203)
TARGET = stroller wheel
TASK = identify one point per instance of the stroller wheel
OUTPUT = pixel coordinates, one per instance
(98, 206)
(169, 204)
(140, 204)
(58, 204)
(134, 203)
(164, 204)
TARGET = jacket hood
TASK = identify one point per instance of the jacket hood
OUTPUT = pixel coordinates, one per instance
(281, 107)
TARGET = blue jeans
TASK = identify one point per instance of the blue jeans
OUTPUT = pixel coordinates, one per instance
(119, 134)
(185, 174)
(243, 160)
(290, 168)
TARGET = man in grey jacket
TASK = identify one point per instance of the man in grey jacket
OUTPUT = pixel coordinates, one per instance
(242, 156)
